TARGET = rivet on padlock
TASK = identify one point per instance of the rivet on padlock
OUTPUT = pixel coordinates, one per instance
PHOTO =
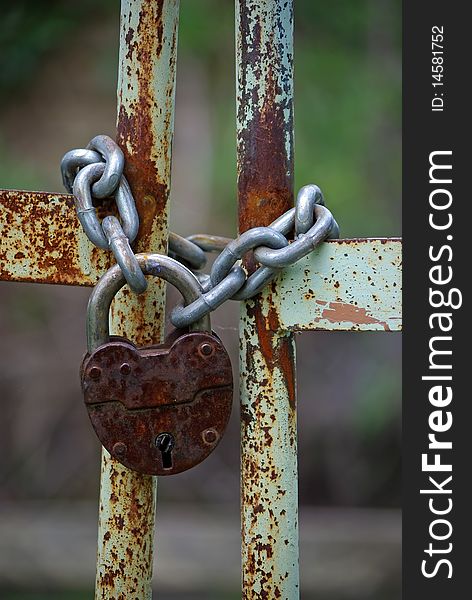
(161, 409)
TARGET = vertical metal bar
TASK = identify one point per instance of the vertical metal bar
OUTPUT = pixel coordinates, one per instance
(264, 47)
(148, 47)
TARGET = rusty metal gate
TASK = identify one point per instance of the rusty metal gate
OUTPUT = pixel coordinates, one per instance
(350, 285)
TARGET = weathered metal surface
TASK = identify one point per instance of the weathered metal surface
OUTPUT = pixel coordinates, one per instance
(182, 388)
(347, 285)
(269, 466)
(344, 285)
(148, 50)
(41, 240)
(269, 505)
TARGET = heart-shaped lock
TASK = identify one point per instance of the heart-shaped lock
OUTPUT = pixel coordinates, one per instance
(160, 409)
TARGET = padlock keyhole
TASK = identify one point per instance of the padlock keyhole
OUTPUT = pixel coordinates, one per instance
(165, 443)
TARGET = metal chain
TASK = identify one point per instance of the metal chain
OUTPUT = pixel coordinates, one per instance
(97, 172)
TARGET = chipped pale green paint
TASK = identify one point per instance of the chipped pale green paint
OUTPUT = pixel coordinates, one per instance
(346, 285)
(148, 42)
(269, 473)
(148, 48)
(126, 532)
(261, 75)
(269, 501)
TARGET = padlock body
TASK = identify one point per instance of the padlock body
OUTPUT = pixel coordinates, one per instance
(183, 387)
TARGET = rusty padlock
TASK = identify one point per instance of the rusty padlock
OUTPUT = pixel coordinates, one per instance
(160, 409)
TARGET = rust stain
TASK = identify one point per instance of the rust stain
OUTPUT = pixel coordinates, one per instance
(41, 240)
(265, 191)
(276, 349)
(135, 127)
(144, 132)
(265, 168)
(130, 532)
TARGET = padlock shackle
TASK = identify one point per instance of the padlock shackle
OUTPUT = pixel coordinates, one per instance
(158, 265)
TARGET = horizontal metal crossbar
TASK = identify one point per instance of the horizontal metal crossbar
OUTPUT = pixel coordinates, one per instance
(42, 241)
(343, 285)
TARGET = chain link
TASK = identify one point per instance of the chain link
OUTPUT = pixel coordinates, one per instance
(125, 257)
(114, 160)
(186, 251)
(87, 214)
(97, 172)
(73, 161)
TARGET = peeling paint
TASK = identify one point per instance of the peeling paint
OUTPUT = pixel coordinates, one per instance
(41, 240)
(338, 312)
(345, 285)
(148, 47)
(269, 504)
(268, 460)
(264, 110)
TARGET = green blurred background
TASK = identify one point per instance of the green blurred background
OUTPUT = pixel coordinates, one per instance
(58, 68)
